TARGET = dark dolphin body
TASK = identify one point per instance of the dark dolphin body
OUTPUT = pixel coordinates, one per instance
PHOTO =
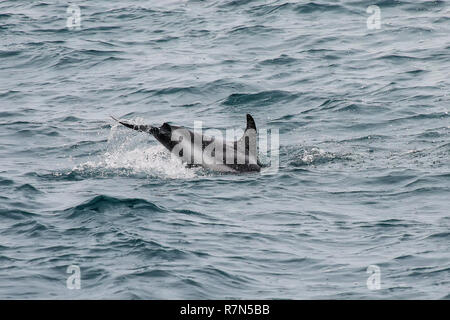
(237, 156)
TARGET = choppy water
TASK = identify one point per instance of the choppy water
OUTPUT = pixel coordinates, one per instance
(364, 149)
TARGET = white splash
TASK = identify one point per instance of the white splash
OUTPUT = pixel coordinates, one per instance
(315, 153)
(130, 153)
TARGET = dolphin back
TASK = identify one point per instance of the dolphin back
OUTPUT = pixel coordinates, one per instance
(196, 149)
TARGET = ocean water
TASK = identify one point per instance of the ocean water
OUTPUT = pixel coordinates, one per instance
(363, 179)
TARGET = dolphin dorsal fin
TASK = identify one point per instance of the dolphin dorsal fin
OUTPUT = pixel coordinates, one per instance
(248, 141)
(250, 123)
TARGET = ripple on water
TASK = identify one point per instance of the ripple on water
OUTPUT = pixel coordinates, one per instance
(306, 156)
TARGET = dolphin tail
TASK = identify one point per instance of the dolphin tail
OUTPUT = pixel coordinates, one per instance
(138, 127)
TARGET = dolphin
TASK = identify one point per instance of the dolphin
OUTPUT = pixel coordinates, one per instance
(196, 149)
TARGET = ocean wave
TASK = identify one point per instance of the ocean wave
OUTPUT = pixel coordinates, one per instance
(260, 99)
(281, 60)
(312, 6)
(308, 7)
(6, 182)
(103, 203)
(16, 214)
(28, 189)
